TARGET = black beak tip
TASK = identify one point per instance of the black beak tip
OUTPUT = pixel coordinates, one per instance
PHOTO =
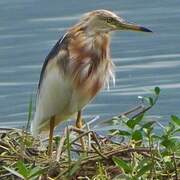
(146, 30)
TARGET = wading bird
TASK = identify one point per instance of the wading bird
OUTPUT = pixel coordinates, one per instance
(76, 69)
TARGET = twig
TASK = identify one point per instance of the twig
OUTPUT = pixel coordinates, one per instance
(115, 152)
(95, 139)
(89, 138)
(77, 130)
(79, 137)
(98, 152)
(61, 143)
(91, 121)
(141, 112)
(4, 145)
(131, 110)
(82, 151)
(145, 109)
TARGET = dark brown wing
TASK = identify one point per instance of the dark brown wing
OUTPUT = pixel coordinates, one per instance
(61, 44)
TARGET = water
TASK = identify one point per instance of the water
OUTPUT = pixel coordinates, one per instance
(29, 29)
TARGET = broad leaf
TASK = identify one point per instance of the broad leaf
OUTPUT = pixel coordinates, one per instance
(148, 124)
(122, 164)
(137, 135)
(133, 122)
(144, 169)
(123, 133)
(22, 169)
(175, 119)
(157, 90)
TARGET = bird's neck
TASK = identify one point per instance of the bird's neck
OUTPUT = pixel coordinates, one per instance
(90, 44)
(90, 58)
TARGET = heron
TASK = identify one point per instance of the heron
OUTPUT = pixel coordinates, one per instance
(76, 69)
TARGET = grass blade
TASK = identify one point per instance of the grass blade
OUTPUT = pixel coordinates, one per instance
(14, 172)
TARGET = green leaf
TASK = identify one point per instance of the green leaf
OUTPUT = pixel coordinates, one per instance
(157, 90)
(57, 140)
(115, 120)
(148, 124)
(177, 131)
(168, 143)
(29, 114)
(122, 164)
(144, 169)
(22, 169)
(36, 171)
(175, 119)
(137, 135)
(14, 172)
(149, 100)
(170, 128)
(123, 133)
(133, 122)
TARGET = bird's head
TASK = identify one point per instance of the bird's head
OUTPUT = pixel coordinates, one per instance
(104, 21)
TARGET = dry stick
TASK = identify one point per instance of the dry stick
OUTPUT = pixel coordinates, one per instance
(61, 143)
(77, 130)
(89, 138)
(141, 112)
(77, 144)
(91, 121)
(5, 175)
(4, 145)
(98, 152)
(131, 110)
(115, 152)
(79, 137)
(84, 133)
(96, 139)
(82, 151)
(145, 109)
(7, 129)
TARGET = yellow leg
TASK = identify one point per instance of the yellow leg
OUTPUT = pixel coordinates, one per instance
(79, 125)
(50, 146)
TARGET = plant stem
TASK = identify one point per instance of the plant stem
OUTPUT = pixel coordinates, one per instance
(175, 167)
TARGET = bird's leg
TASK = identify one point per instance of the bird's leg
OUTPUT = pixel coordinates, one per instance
(79, 125)
(52, 125)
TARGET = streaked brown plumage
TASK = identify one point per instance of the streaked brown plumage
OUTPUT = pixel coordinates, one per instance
(76, 69)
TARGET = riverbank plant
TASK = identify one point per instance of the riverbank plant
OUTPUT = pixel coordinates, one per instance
(137, 147)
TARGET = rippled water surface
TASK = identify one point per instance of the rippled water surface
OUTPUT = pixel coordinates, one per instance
(29, 29)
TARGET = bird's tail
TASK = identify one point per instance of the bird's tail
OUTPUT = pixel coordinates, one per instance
(38, 126)
(35, 125)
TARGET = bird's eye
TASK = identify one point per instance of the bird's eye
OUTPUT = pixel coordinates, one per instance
(109, 20)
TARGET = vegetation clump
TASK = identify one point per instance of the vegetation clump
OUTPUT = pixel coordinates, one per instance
(132, 150)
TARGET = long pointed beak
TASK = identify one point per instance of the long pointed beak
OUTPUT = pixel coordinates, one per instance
(132, 27)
